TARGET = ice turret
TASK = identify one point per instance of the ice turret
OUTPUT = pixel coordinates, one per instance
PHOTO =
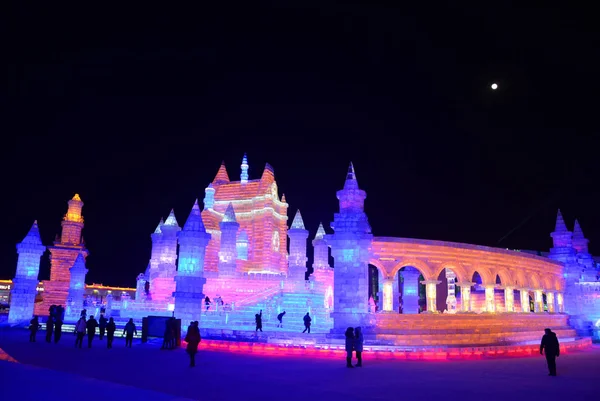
(580, 243)
(190, 280)
(321, 250)
(209, 197)
(297, 258)
(350, 245)
(24, 286)
(76, 289)
(228, 251)
(222, 177)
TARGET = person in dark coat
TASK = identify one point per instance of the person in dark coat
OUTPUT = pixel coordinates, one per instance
(258, 318)
(49, 328)
(91, 329)
(280, 318)
(349, 346)
(193, 340)
(307, 321)
(58, 328)
(207, 302)
(358, 345)
(129, 331)
(102, 325)
(551, 348)
(169, 334)
(110, 332)
(80, 331)
(34, 326)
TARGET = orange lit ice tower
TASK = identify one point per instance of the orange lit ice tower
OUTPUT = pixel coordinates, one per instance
(350, 247)
(228, 252)
(76, 289)
(257, 218)
(163, 261)
(22, 295)
(62, 258)
(190, 280)
(297, 258)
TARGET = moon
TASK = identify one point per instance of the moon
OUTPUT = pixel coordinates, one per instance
(494, 86)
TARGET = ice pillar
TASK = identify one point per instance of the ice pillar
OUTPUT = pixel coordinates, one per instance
(509, 299)
(490, 302)
(388, 295)
(431, 294)
(23, 292)
(525, 308)
(465, 296)
(538, 301)
(451, 298)
(550, 301)
(560, 302)
(190, 280)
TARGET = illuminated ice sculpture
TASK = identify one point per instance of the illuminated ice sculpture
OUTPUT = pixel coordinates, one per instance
(190, 280)
(228, 252)
(350, 247)
(22, 295)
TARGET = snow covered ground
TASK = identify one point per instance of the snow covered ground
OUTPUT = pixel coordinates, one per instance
(145, 372)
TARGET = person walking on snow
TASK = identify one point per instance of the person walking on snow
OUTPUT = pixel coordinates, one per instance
(102, 325)
(80, 331)
(110, 332)
(129, 331)
(49, 328)
(91, 329)
(34, 326)
(307, 321)
(280, 318)
(551, 347)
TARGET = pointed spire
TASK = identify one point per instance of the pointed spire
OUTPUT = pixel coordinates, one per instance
(79, 263)
(33, 236)
(244, 175)
(160, 224)
(76, 198)
(268, 174)
(560, 223)
(351, 182)
(171, 220)
(577, 231)
(229, 216)
(194, 221)
(320, 232)
(283, 198)
(298, 223)
(222, 176)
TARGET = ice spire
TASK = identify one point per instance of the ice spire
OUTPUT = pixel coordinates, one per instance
(298, 222)
(244, 175)
(229, 216)
(160, 224)
(268, 175)
(33, 236)
(320, 232)
(194, 221)
(283, 198)
(351, 182)
(560, 223)
(577, 232)
(171, 220)
(79, 264)
(222, 176)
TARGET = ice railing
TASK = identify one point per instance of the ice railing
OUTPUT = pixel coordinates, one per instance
(258, 296)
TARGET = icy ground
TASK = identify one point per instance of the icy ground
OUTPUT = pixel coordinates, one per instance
(50, 371)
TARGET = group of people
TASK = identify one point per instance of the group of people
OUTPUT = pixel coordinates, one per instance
(107, 326)
(258, 318)
(169, 338)
(56, 316)
(354, 342)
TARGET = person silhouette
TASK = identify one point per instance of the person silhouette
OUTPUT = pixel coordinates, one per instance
(34, 326)
(551, 347)
(258, 319)
(110, 332)
(307, 321)
(280, 319)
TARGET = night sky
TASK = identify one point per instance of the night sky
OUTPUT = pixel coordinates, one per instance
(134, 109)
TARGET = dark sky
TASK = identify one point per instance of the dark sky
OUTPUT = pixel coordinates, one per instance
(134, 109)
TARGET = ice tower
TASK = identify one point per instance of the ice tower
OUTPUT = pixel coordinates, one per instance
(76, 289)
(22, 295)
(62, 257)
(228, 253)
(163, 260)
(297, 258)
(190, 280)
(350, 247)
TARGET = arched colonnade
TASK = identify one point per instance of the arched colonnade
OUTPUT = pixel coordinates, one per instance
(465, 266)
